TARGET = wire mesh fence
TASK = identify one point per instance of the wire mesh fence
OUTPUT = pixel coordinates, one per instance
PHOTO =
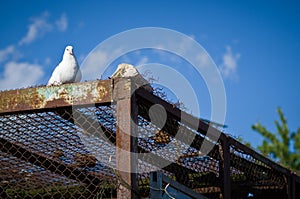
(70, 152)
(43, 155)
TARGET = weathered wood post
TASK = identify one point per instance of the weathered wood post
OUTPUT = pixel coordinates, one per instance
(126, 138)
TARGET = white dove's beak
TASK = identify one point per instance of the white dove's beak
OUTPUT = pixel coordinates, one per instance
(70, 51)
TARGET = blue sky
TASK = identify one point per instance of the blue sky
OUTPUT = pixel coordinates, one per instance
(255, 44)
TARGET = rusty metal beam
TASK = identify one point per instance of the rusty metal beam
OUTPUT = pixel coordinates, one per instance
(49, 97)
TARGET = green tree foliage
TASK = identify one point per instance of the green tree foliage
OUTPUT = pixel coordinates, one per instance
(282, 146)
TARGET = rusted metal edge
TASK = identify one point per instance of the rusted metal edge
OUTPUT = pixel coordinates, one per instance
(47, 97)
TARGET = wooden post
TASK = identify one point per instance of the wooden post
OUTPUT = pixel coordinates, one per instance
(126, 138)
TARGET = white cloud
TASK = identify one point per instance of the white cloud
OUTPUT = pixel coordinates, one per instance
(5, 53)
(20, 74)
(62, 23)
(10, 53)
(37, 28)
(40, 25)
(229, 63)
(17, 74)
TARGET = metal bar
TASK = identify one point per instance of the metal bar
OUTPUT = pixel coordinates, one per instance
(291, 186)
(296, 184)
(47, 97)
(156, 186)
(187, 191)
(225, 168)
(258, 156)
(126, 139)
(253, 169)
(156, 191)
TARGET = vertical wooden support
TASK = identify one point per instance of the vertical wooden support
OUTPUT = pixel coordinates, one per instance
(225, 167)
(126, 138)
(156, 190)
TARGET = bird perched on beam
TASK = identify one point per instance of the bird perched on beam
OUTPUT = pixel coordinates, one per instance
(67, 71)
(128, 70)
(125, 70)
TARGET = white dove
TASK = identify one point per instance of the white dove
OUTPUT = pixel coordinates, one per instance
(128, 70)
(125, 70)
(67, 70)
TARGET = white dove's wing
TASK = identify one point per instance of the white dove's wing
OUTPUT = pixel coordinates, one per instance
(118, 72)
(55, 79)
(130, 71)
(125, 70)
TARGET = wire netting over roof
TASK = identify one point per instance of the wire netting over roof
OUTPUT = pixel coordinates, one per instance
(71, 153)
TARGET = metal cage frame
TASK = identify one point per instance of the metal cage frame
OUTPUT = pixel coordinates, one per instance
(80, 140)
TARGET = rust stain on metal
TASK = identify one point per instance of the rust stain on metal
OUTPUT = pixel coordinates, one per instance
(83, 93)
(102, 90)
(56, 96)
(20, 99)
(121, 88)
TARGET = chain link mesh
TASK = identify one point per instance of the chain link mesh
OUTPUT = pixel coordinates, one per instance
(44, 154)
(70, 153)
